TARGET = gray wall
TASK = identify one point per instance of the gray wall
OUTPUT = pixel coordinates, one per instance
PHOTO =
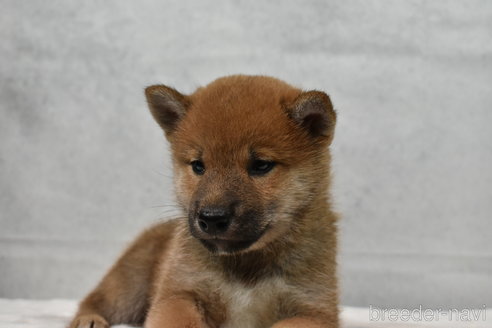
(83, 168)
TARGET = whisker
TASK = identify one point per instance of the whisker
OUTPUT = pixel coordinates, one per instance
(166, 206)
(163, 174)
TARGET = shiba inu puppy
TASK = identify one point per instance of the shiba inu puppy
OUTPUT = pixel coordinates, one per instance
(256, 244)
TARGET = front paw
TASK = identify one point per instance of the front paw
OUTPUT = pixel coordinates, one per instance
(89, 321)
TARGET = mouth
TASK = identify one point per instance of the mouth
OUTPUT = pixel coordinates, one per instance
(223, 246)
(239, 236)
(227, 246)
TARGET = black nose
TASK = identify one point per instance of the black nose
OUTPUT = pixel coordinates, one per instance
(214, 220)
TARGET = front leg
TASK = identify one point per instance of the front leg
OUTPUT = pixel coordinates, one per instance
(176, 313)
(305, 322)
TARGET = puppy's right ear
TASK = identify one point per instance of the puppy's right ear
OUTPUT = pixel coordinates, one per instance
(167, 105)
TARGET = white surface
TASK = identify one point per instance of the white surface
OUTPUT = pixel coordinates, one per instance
(57, 313)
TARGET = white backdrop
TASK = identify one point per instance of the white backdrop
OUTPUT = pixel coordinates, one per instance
(83, 168)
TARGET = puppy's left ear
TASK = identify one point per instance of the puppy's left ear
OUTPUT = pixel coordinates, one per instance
(314, 111)
(167, 105)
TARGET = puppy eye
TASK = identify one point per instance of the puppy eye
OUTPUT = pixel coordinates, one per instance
(261, 167)
(198, 167)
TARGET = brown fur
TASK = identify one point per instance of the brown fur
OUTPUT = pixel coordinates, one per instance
(275, 265)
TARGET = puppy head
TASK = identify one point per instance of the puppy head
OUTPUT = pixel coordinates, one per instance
(250, 155)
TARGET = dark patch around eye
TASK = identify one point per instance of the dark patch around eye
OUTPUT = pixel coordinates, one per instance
(198, 167)
(260, 167)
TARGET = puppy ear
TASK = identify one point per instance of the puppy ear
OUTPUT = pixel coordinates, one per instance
(313, 110)
(167, 105)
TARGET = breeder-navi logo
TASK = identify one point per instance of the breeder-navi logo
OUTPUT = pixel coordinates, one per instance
(420, 314)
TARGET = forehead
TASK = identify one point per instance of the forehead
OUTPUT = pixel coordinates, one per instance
(240, 115)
